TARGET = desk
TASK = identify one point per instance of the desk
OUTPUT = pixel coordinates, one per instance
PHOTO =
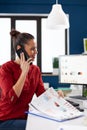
(38, 123)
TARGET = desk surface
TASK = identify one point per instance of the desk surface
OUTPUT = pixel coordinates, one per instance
(37, 123)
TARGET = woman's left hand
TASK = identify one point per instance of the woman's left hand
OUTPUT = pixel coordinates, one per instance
(60, 93)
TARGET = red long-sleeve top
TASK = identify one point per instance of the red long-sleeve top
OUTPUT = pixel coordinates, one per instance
(11, 106)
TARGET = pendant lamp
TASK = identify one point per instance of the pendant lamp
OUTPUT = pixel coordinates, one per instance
(57, 19)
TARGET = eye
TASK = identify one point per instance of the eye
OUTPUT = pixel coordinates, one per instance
(34, 49)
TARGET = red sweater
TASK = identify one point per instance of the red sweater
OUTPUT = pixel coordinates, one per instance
(12, 107)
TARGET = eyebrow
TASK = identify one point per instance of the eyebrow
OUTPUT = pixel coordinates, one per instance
(33, 48)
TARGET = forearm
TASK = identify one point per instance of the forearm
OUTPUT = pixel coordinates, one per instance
(24, 65)
(19, 84)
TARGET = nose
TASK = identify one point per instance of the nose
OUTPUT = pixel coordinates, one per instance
(36, 52)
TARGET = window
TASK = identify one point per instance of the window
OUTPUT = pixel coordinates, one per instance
(28, 26)
(5, 45)
(53, 45)
(50, 43)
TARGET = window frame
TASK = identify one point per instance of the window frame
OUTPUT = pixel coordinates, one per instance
(36, 17)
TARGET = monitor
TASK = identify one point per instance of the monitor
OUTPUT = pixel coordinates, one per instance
(73, 69)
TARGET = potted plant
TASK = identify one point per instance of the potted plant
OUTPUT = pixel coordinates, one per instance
(55, 65)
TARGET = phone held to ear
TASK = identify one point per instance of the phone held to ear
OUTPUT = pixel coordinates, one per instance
(20, 50)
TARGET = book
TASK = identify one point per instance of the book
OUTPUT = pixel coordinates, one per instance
(50, 105)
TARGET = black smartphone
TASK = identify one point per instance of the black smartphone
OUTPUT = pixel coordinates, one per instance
(20, 50)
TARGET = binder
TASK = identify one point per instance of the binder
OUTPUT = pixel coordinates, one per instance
(42, 115)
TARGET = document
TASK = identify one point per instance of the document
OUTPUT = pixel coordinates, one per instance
(52, 106)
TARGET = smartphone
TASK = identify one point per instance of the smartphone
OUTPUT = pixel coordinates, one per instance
(20, 50)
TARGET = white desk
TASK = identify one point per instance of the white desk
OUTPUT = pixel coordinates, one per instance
(38, 123)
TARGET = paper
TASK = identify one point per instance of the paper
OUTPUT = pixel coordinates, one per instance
(52, 105)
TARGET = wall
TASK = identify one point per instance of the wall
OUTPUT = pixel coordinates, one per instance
(77, 11)
(78, 23)
(53, 81)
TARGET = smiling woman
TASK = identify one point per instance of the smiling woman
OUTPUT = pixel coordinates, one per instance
(21, 81)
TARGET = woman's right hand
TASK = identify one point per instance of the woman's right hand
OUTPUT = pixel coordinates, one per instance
(24, 65)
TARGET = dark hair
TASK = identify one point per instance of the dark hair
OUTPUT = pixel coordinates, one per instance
(19, 38)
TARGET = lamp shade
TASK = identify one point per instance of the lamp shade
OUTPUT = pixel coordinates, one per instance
(57, 19)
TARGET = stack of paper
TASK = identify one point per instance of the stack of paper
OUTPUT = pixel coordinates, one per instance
(51, 106)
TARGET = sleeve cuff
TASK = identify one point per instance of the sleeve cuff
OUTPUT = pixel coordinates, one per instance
(12, 97)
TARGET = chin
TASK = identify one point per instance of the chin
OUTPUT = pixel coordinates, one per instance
(32, 59)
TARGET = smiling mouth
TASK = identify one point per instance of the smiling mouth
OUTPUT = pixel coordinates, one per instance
(33, 57)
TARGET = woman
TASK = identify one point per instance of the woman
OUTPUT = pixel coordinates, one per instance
(19, 81)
